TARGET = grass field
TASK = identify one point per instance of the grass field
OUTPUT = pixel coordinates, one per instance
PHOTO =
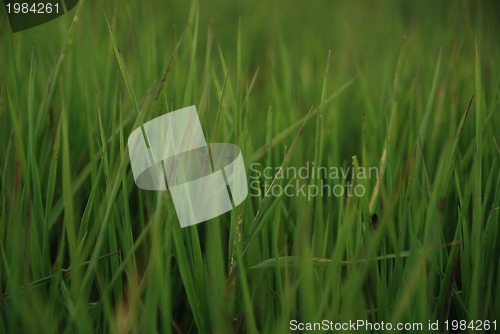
(410, 89)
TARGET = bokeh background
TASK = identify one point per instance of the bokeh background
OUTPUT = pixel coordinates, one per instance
(411, 88)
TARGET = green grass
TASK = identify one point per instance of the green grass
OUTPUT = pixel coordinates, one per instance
(409, 88)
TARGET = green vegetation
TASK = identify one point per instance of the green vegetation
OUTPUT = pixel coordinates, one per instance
(411, 88)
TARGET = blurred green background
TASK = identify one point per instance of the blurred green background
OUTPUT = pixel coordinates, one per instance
(411, 88)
